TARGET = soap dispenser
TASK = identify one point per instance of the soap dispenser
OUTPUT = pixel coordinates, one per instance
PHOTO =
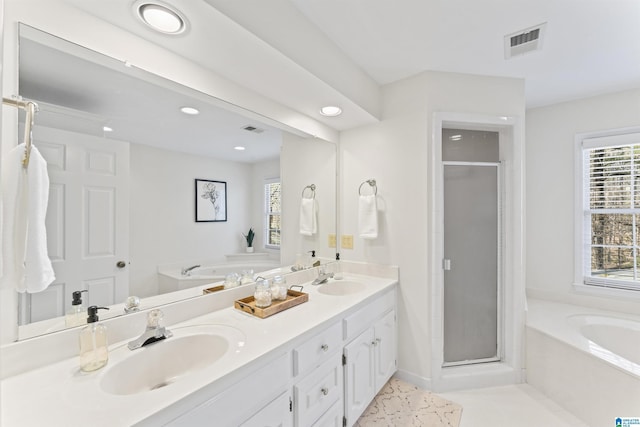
(75, 315)
(94, 351)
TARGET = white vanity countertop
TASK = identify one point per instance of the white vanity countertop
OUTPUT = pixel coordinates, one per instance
(61, 395)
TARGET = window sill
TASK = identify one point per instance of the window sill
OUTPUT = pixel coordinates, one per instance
(594, 290)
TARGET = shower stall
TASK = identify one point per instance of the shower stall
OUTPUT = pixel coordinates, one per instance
(477, 287)
(471, 179)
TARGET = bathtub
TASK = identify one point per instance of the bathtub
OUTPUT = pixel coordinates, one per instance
(171, 280)
(587, 360)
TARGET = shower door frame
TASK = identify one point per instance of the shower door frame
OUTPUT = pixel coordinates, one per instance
(510, 369)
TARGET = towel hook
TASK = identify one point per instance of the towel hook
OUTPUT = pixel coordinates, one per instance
(31, 108)
(372, 183)
(311, 187)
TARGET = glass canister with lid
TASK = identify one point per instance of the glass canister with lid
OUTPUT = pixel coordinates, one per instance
(262, 294)
(279, 288)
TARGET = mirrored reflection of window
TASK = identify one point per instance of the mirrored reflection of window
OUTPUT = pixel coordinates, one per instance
(272, 203)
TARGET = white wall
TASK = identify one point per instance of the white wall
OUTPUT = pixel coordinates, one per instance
(550, 151)
(396, 153)
(305, 162)
(162, 223)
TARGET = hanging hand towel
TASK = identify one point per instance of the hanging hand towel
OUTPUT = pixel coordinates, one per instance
(368, 217)
(25, 261)
(308, 222)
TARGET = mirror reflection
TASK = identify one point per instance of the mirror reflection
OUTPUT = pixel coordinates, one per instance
(130, 156)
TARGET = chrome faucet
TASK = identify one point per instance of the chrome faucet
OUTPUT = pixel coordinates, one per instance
(154, 332)
(186, 271)
(322, 277)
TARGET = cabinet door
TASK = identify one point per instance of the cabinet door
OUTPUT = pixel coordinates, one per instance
(331, 418)
(385, 349)
(275, 414)
(359, 375)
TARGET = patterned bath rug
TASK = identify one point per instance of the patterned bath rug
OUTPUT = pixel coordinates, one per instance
(403, 404)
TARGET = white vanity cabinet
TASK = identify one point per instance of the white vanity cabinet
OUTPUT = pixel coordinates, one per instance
(317, 365)
(370, 357)
(260, 398)
(318, 392)
(272, 415)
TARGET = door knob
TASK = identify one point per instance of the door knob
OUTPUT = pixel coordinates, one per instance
(121, 264)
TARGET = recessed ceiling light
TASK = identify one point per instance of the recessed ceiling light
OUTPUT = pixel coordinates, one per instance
(239, 148)
(190, 110)
(331, 111)
(161, 18)
(107, 129)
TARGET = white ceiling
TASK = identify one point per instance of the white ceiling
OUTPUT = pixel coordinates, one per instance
(308, 53)
(590, 46)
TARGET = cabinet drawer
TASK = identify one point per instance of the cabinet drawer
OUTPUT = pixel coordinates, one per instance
(318, 391)
(317, 349)
(363, 318)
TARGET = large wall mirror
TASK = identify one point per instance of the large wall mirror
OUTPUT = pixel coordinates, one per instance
(125, 162)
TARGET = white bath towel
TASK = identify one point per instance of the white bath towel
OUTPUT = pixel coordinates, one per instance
(25, 262)
(308, 221)
(368, 217)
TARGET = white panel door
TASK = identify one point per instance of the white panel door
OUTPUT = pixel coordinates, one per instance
(87, 221)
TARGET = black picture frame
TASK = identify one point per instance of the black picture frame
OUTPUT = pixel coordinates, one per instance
(211, 200)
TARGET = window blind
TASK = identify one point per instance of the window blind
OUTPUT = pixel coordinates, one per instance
(612, 211)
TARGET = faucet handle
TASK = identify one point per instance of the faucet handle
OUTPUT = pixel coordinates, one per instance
(131, 304)
(154, 318)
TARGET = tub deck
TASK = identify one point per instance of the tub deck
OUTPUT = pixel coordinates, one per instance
(571, 370)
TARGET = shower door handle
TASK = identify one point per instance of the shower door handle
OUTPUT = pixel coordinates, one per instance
(446, 264)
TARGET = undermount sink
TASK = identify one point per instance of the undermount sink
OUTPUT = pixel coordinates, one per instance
(341, 287)
(191, 349)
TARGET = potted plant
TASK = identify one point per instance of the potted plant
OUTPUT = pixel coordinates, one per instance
(249, 238)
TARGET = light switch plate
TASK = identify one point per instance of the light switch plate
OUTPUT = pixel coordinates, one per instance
(346, 241)
(332, 240)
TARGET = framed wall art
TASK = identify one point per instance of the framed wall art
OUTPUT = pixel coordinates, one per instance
(211, 200)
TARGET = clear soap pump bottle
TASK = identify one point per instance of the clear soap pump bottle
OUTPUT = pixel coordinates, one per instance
(94, 350)
(76, 314)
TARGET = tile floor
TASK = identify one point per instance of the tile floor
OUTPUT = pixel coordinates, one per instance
(517, 405)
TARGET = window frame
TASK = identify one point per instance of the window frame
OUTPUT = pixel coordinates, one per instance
(584, 282)
(267, 213)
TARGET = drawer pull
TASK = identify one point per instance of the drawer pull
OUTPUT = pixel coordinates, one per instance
(374, 342)
(324, 391)
(324, 347)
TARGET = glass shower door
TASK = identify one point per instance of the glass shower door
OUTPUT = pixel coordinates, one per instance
(471, 264)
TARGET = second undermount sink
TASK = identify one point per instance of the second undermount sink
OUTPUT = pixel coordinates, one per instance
(341, 287)
(191, 349)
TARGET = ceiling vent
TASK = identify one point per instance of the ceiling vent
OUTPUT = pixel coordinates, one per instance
(524, 41)
(253, 129)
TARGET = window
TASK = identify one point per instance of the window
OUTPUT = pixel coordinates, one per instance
(610, 211)
(272, 204)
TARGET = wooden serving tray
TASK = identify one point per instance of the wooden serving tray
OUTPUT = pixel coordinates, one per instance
(248, 304)
(213, 289)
